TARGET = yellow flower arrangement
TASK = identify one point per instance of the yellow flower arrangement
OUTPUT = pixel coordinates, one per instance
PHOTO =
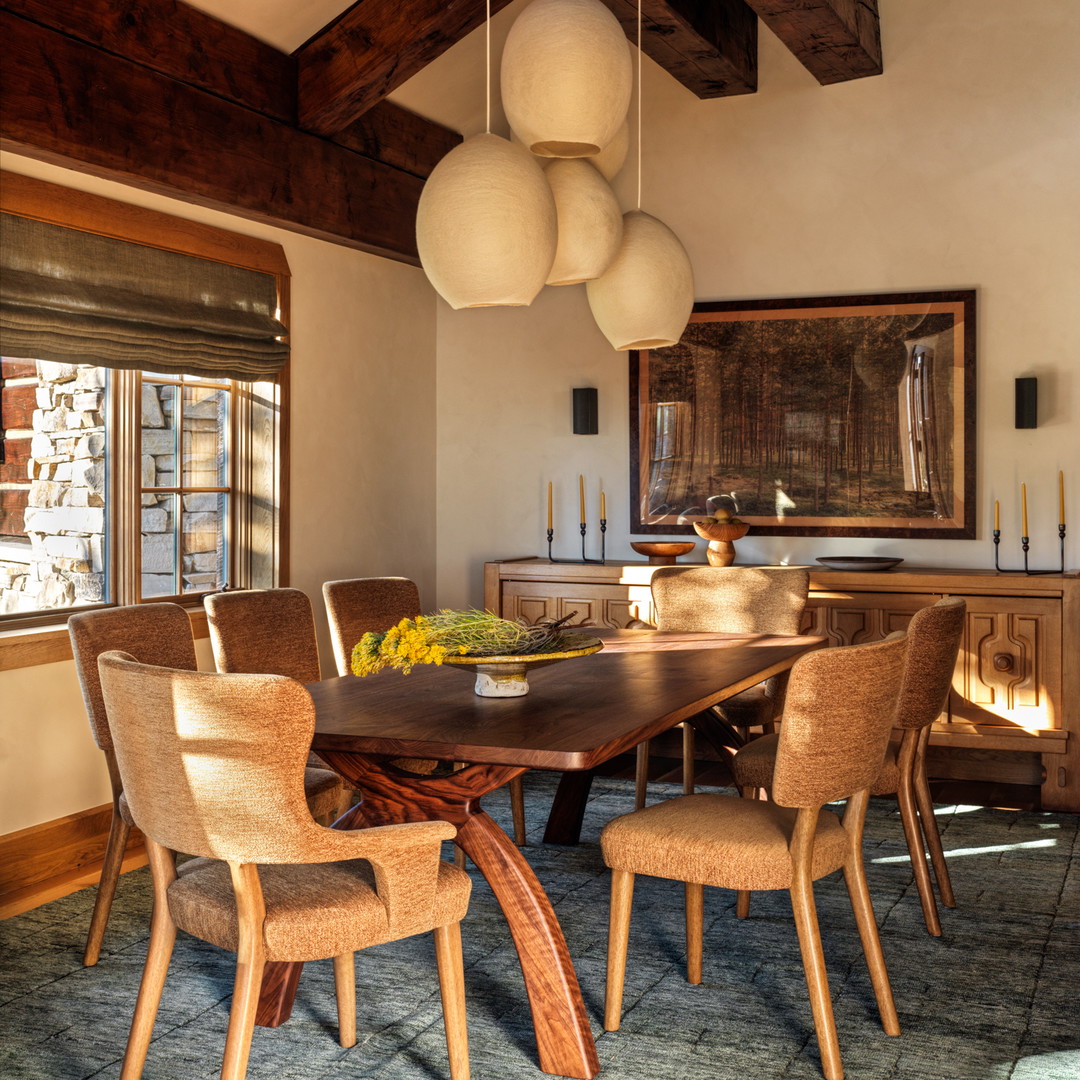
(429, 639)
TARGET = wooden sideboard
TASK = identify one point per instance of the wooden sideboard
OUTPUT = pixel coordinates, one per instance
(1013, 716)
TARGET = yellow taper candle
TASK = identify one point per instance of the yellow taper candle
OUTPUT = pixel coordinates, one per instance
(603, 506)
(549, 504)
(1023, 510)
(1061, 497)
(997, 513)
(581, 496)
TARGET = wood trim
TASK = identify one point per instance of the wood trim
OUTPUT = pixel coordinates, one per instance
(29, 648)
(69, 848)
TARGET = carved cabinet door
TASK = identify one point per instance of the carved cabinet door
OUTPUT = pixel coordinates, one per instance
(1009, 673)
(854, 618)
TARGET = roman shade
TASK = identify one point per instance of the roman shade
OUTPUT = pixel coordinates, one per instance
(77, 297)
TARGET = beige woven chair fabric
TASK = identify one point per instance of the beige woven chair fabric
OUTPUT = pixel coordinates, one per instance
(158, 634)
(351, 914)
(213, 765)
(264, 632)
(357, 606)
(828, 751)
(729, 599)
(718, 840)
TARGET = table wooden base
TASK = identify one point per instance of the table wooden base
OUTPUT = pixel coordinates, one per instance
(564, 1040)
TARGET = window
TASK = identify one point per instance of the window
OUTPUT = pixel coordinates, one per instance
(120, 485)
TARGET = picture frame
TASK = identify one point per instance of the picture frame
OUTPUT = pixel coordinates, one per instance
(811, 416)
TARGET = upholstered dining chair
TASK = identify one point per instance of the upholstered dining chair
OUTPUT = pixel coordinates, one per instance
(156, 634)
(933, 642)
(357, 606)
(727, 600)
(267, 632)
(211, 765)
(836, 722)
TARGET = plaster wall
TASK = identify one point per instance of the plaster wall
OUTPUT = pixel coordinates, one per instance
(955, 169)
(362, 486)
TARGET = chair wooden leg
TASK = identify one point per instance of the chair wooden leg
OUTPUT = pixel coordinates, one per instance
(695, 925)
(813, 957)
(905, 795)
(119, 831)
(742, 904)
(687, 758)
(622, 900)
(459, 858)
(913, 835)
(345, 991)
(250, 961)
(641, 774)
(452, 988)
(855, 879)
(517, 808)
(158, 955)
(930, 831)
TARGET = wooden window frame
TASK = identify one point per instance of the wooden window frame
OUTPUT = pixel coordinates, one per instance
(41, 637)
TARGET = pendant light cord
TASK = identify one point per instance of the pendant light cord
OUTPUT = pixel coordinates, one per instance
(638, 104)
(487, 64)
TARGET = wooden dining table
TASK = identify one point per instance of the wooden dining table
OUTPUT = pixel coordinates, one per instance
(577, 714)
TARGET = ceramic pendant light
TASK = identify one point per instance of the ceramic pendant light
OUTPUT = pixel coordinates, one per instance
(590, 224)
(566, 77)
(486, 225)
(644, 299)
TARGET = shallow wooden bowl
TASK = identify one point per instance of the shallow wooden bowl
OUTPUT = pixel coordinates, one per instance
(662, 552)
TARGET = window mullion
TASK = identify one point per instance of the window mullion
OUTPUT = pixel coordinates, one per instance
(126, 476)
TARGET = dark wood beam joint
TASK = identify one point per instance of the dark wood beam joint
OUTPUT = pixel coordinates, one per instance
(371, 49)
(835, 40)
(710, 46)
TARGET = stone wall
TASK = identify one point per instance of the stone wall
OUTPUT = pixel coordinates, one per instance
(62, 560)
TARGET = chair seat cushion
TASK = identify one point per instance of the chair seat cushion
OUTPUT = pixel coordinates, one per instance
(753, 765)
(312, 911)
(323, 790)
(718, 840)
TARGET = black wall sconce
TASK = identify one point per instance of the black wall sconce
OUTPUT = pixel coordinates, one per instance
(586, 411)
(1027, 403)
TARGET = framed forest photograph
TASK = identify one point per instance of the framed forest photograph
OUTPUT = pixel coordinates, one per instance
(815, 416)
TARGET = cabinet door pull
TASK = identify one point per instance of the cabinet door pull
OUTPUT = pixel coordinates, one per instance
(1003, 661)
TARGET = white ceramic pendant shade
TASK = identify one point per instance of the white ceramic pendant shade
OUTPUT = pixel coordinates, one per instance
(613, 156)
(644, 299)
(486, 226)
(566, 77)
(590, 223)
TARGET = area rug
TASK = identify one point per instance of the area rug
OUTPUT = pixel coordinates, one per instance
(995, 998)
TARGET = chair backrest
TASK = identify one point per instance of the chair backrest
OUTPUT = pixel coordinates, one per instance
(213, 764)
(840, 709)
(933, 642)
(264, 632)
(356, 606)
(153, 633)
(729, 599)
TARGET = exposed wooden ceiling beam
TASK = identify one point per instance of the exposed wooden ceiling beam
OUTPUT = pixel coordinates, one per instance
(74, 104)
(192, 47)
(371, 49)
(710, 46)
(835, 40)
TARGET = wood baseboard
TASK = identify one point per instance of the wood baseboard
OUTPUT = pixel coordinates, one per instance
(57, 857)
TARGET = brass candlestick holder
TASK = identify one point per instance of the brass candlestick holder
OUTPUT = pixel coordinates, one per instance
(602, 561)
(1025, 544)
